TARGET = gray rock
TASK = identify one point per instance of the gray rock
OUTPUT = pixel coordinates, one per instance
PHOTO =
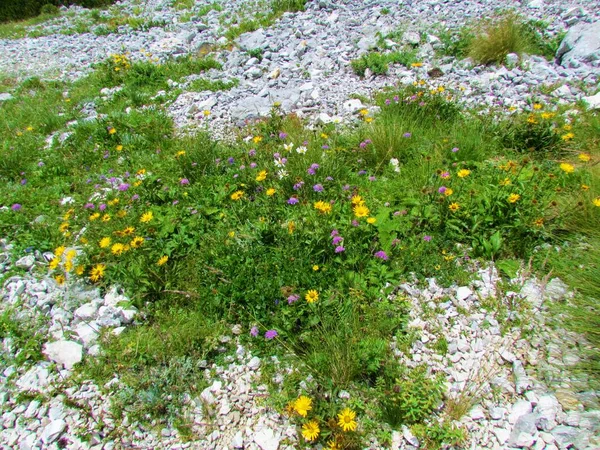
(593, 101)
(546, 409)
(26, 262)
(4, 96)
(266, 439)
(53, 430)
(520, 408)
(522, 381)
(66, 353)
(251, 41)
(238, 440)
(581, 44)
(512, 59)
(254, 363)
(87, 311)
(411, 37)
(564, 435)
(524, 431)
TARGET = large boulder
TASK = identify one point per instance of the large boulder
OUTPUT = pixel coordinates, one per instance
(581, 44)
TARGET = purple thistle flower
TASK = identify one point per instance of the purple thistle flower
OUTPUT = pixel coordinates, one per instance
(362, 144)
(184, 181)
(407, 135)
(242, 167)
(23, 182)
(442, 189)
(282, 135)
(276, 155)
(89, 206)
(102, 206)
(314, 166)
(346, 187)
(298, 185)
(135, 197)
(41, 164)
(355, 223)
(334, 233)
(293, 298)
(230, 160)
(336, 240)
(112, 180)
(396, 98)
(325, 147)
(329, 179)
(253, 165)
(387, 101)
(340, 249)
(318, 188)
(16, 207)
(310, 171)
(292, 201)
(427, 238)
(123, 187)
(252, 153)
(382, 255)
(270, 334)
(254, 331)
(455, 149)
(362, 172)
(372, 178)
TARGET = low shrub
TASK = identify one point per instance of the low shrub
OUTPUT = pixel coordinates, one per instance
(25, 9)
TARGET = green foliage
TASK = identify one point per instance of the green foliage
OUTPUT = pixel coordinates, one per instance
(25, 9)
(456, 43)
(439, 435)
(411, 397)
(537, 134)
(26, 337)
(204, 84)
(281, 6)
(378, 62)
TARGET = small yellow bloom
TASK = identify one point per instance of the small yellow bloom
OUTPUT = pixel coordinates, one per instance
(585, 187)
(63, 227)
(121, 213)
(333, 445)
(29, 128)
(505, 182)
(567, 168)
(117, 249)
(513, 198)
(237, 195)
(454, 207)
(54, 263)
(112, 130)
(97, 272)
(162, 260)
(257, 139)
(538, 222)
(547, 115)
(531, 119)
(322, 207)
(291, 226)
(324, 136)
(137, 242)
(262, 175)
(105, 218)
(113, 202)
(302, 405)
(441, 89)
(146, 217)
(104, 242)
(537, 106)
(346, 420)
(585, 157)
(79, 270)
(567, 136)
(371, 220)
(128, 230)
(567, 127)
(71, 254)
(60, 279)
(417, 64)
(179, 153)
(315, 268)
(361, 210)
(448, 192)
(596, 201)
(58, 251)
(363, 112)
(68, 266)
(368, 119)
(271, 192)
(311, 296)
(357, 200)
(119, 148)
(206, 113)
(231, 234)
(311, 430)
(462, 173)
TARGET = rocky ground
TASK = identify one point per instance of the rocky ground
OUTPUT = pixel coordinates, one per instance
(524, 394)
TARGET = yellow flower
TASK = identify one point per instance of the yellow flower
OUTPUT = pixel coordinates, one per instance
(368, 119)
(63, 227)
(357, 200)
(596, 201)
(262, 175)
(29, 128)
(113, 202)
(312, 296)
(322, 207)
(332, 445)
(71, 254)
(585, 187)
(361, 210)
(237, 195)
(302, 405)
(137, 183)
(531, 119)
(441, 89)
(137, 242)
(567, 136)
(513, 198)
(448, 192)
(585, 157)
(121, 213)
(117, 249)
(463, 173)
(162, 260)
(54, 263)
(179, 153)
(68, 266)
(417, 64)
(67, 215)
(257, 139)
(371, 220)
(311, 430)
(97, 272)
(363, 112)
(454, 207)
(315, 267)
(104, 242)
(324, 136)
(112, 130)
(567, 168)
(146, 217)
(128, 230)
(60, 279)
(105, 218)
(206, 113)
(538, 222)
(346, 420)
(79, 270)
(291, 226)
(505, 182)
(58, 251)
(567, 127)
(119, 147)
(537, 106)
(84, 240)
(231, 234)
(547, 115)
(271, 192)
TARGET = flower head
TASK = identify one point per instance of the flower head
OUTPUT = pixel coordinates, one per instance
(311, 430)
(311, 296)
(97, 272)
(104, 242)
(254, 331)
(454, 207)
(270, 334)
(382, 255)
(271, 192)
(16, 207)
(585, 157)
(302, 405)
(237, 195)
(323, 207)
(462, 173)
(513, 198)
(567, 168)
(262, 175)
(162, 260)
(146, 217)
(346, 419)
(340, 249)
(117, 249)
(361, 210)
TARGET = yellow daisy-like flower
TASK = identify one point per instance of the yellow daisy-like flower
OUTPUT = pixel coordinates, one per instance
(177, 155)
(323, 207)
(112, 130)
(315, 267)
(312, 296)
(162, 260)
(371, 220)
(368, 119)
(513, 198)
(538, 222)
(547, 115)
(113, 202)
(68, 266)
(119, 148)
(231, 234)
(83, 240)
(531, 119)
(346, 419)
(79, 270)
(60, 279)
(363, 112)
(271, 192)
(311, 430)
(106, 218)
(63, 227)
(137, 242)
(117, 249)
(206, 113)
(567, 136)
(448, 192)
(54, 263)
(104, 242)
(537, 106)
(58, 251)
(567, 168)
(585, 157)
(146, 217)
(462, 173)
(97, 272)
(257, 139)
(596, 201)
(237, 195)
(71, 254)
(585, 187)
(505, 182)
(417, 64)
(361, 210)
(454, 207)
(121, 213)
(128, 230)
(291, 226)
(262, 175)
(137, 183)
(357, 200)
(302, 405)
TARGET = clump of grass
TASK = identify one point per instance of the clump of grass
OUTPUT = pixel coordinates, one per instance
(378, 63)
(498, 37)
(281, 6)
(204, 84)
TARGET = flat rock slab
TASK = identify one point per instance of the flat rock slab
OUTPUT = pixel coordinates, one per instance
(67, 353)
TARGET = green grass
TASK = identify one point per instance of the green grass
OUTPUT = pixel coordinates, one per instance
(378, 63)
(204, 84)
(225, 245)
(18, 30)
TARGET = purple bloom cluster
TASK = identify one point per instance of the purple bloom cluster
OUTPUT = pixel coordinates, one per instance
(318, 188)
(292, 201)
(293, 298)
(254, 331)
(184, 181)
(337, 240)
(298, 185)
(312, 169)
(382, 255)
(252, 153)
(270, 334)
(16, 207)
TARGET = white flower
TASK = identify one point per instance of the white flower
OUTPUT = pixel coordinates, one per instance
(282, 174)
(279, 162)
(395, 164)
(336, 119)
(301, 150)
(289, 147)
